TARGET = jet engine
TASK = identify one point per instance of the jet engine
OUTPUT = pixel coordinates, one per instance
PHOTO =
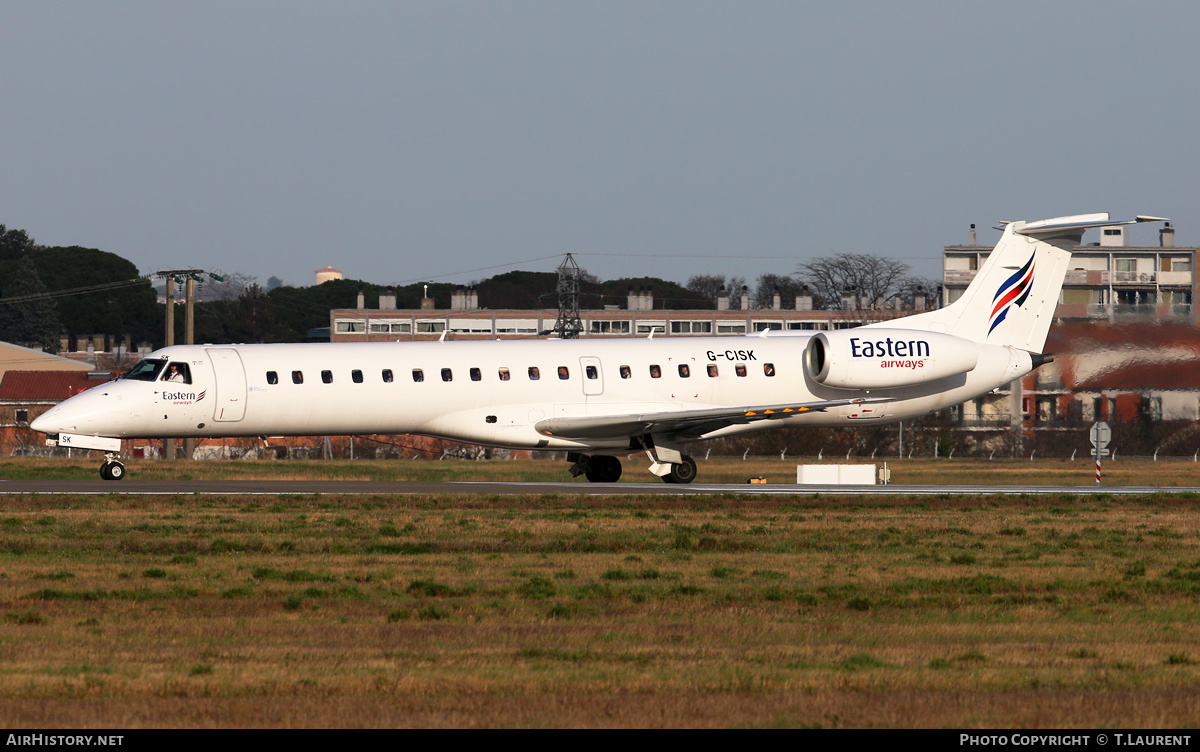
(869, 358)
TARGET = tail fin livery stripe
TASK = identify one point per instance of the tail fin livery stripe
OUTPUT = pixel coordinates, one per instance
(1017, 288)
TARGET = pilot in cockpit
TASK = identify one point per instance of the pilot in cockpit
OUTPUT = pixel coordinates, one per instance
(177, 372)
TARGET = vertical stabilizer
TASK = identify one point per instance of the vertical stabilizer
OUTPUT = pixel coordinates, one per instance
(1012, 299)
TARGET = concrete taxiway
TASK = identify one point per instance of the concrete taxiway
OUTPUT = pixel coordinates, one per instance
(345, 487)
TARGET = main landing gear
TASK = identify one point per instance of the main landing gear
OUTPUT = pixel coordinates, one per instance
(600, 468)
(112, 469)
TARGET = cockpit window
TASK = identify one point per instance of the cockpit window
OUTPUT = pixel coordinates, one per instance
(178, 372)
(146, 370)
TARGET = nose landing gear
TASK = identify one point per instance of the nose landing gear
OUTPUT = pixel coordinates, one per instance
(112, 469)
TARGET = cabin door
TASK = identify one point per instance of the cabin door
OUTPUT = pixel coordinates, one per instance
(229, 402)
(593, 376)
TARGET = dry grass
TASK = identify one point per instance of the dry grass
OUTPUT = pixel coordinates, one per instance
(610, 612)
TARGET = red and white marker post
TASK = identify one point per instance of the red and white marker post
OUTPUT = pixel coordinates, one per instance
(1100, 435)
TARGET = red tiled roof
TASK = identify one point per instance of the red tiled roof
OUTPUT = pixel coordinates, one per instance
(44, 385)
(1183, 375)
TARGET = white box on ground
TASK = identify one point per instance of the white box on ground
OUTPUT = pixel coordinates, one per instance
(835, 475)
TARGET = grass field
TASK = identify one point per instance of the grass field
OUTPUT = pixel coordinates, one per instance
(547, 611)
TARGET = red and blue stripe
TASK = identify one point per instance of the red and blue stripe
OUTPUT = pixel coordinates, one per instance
(1013, 292)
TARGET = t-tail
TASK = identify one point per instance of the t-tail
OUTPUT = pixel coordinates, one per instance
(1012, 299)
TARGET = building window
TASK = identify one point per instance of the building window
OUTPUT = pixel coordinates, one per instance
(476, 374)
(609, 327)
(272, 377)
(327, 377)
(297, 377)
(431, 327)
(387, 375)
(350, 327)
(22, 415)
(731, 328)
(356, 377)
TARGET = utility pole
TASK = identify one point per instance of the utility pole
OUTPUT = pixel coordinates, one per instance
(188, 278)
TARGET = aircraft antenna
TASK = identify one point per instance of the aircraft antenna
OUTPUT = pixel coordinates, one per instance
(568, 325)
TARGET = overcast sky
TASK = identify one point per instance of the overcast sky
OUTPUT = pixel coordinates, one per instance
(405, 141)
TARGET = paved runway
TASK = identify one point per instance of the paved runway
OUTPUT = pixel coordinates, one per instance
(277, 487)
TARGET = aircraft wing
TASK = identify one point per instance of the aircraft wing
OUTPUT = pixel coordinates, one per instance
(685, 425)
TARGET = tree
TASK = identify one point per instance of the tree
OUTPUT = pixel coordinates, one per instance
(872, 280)
(768, 284)
(14, 244)
(28, 316)
(707, 286)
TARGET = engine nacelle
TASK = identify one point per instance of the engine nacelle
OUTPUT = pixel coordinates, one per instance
(878, 358)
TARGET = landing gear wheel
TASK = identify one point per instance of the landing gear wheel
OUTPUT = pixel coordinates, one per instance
(683, 472)
(603, 469)
(112, 471)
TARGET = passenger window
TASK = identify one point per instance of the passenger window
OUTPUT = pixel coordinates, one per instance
(356, 376)
(272, 377)
(769, 369)
(655, 372)
(740, 369)
(177, 372)
(592, 373)
(504, 374)
(327, 377)
(476, 374)
(712, 370)
(387, 375)
(684, 371)
(563, 373)
(447, 375)
(534, 373)
(418, 375)
(297, 377)
(626, 372)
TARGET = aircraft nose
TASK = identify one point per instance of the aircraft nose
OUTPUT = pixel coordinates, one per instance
(46, 422)
(79, 414)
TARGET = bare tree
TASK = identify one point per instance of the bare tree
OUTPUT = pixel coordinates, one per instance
(910, 287)
(768, 284)
(869, 280)
(229, 287)
(707, 286)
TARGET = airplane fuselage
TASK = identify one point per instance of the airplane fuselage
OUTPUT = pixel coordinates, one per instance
(496, 393)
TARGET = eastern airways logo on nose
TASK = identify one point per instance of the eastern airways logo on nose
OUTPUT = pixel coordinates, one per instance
(1012, 293)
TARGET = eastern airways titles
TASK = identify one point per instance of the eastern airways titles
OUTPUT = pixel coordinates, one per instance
(888, 347)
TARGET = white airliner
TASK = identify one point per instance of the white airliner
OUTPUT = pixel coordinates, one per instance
(599, 398)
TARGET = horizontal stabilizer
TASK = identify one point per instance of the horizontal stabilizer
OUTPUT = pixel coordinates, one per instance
(1079, 222)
